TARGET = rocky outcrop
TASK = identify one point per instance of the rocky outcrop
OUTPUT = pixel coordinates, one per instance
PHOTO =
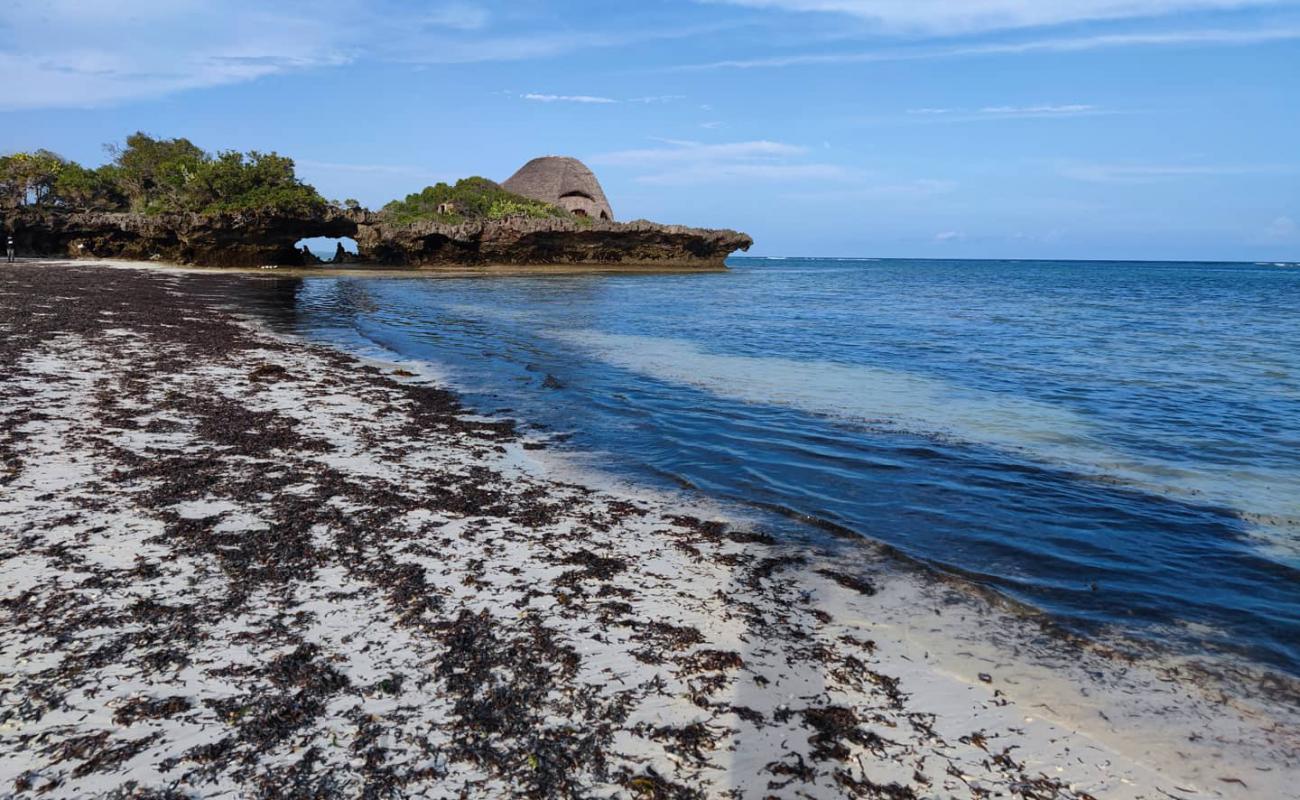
(215, 240)
(546, 241)
(342, 256)
(254, 239)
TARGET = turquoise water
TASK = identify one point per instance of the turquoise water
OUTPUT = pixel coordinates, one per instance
(1117, 444)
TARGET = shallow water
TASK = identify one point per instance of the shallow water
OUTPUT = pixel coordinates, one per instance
(1115, 443)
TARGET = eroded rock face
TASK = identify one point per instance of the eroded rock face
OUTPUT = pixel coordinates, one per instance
(253, 239)
(215, 240)
(547, 241)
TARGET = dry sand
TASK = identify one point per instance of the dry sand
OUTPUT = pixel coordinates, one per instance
(238, 565)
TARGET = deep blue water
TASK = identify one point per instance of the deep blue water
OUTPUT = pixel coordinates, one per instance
(1115, 443)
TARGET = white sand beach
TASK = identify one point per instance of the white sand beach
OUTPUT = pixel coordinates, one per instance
(240, 565)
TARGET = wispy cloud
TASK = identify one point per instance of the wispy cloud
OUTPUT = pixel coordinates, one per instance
(75, 53)
(677, 151)
(723, 172)
(656, 99)
(597, 100)
(568, 98)
(532, 44)
(405, 170)
(66, 53)
(966, 16)
(1007, 112)
(1151, 173)
(871, 187)
(1282, 229)
(680, 163)
(1222, 37)
(1071, 110)
(460, 16)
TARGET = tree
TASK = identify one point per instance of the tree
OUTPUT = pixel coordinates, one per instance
(28, 178)
(154, 174)
(97, 189)
(234, 181)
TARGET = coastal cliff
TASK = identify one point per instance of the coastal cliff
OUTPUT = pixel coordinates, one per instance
(254, 238)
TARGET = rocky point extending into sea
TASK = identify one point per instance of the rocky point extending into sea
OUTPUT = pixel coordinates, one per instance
(167, 200)
(256, 238)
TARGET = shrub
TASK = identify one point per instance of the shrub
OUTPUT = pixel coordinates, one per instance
(469, 198)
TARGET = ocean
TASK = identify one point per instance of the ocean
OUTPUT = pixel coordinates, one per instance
(1115, 444)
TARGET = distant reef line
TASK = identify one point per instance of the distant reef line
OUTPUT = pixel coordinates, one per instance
(169, 200)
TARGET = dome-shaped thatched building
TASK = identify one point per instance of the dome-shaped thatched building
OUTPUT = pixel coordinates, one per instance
(564, 182)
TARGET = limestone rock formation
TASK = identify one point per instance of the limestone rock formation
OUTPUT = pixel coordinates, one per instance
(215, 240)
(548, 241)
(342, 256)
(255, 239)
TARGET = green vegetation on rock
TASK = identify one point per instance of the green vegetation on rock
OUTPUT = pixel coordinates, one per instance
(155, 176)
(469, 198)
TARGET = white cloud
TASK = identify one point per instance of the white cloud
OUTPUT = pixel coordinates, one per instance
(949, 236)
(66, 53)
(1040, 111)
(661, 98)
(869, 189)
(459, 16)
(1219, 37)
(719, 172)
(680, 163)
(538, 43)
(1006, 112)
(966, 16)
(568, 98)
(679, 151)
(406, 170)
(1151, 173)
(586, 98)
(1282, 229)
(88, 53)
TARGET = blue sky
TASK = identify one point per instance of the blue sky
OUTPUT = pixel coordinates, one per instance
(914, 128)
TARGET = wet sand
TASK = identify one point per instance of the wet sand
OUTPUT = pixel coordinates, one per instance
(234, 564)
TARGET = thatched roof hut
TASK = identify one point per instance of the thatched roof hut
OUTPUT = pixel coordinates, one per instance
(564, 182)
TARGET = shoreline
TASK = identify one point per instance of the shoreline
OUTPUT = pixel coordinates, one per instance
(357, 269)
(406, 601)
